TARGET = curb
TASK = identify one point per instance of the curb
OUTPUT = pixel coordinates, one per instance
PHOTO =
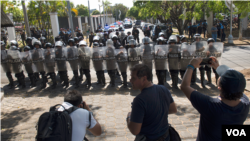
(1, 94)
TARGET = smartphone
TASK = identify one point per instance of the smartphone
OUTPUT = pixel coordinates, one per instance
(206, 61)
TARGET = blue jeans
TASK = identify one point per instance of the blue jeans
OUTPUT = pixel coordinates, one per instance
(214, 36)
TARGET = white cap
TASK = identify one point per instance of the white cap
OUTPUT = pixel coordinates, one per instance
(82, 43)
(59, 43)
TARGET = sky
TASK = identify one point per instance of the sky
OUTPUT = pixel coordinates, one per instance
(94, 4)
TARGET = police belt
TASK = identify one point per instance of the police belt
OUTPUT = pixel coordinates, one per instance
(161, 57)
(27, 62)
(36, 61)
(109, 58)
(15, 61)
(134, 59)
(87, 58)
(70, 59)
(4, 61)
(97, 59)
(187, 57)
(200, 54)
(174, 55)
(123, 60)
(60, 59)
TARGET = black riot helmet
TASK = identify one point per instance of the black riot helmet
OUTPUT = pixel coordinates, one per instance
(71, 41)
(26, 48)
(209, 40)
(183, 38)
(57, 38)
(76, 39)
(37, 42)
(29, 40)
(95, 44)
(197, 37)
(172, 39)
(13, 43)
(48, 45)
(160, 39)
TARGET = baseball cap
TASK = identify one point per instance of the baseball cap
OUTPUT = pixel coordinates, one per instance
(231, 80)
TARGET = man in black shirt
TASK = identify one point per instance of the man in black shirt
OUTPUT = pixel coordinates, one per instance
(231, 107)
(150, 109)
(79, 33)
(135, 33)
(91, 36)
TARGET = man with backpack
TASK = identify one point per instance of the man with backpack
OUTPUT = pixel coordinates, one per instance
(73, 118)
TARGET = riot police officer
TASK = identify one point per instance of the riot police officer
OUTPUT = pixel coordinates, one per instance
(73, 60)
(5, 64)
(97, 57)
(161, 41)
(109, 56)
(97, 39)
(116, 43)
(125, 41)
(84, 62)
(38, 60)
(61, 57)
(29, 42)
(43, 42)
(122, 61)
(178, 39)
(134, 54)
(161, 34)
(76, 41)
(104, 40)
(117, 34)
(14, 43)
(49, 57)
(27, 62)
(183, 39)
(174, 59)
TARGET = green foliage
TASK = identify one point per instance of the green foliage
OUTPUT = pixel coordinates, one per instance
(243, 8)
(12, 7)
(96, 12)
(82, 10)
(133, 12)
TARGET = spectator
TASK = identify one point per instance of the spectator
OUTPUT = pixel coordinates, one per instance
(230, 108)
(214, 32)
(194, 27)
(79, 33)
(150, 109)
(169, 32)
(38, 33)
(157, 31)
(44, 33)
(147, 32)
(62, 34)
(219, 28)
(200, 28)
(135, 33)
(91, 36)
(223, 36)
(22, 33)
(190, 31)
(80, 117)
(204, 27)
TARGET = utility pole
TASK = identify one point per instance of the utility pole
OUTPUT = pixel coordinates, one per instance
(103, 13)
(89, 18)
(70, 18)
(100, 14)
(26, 19)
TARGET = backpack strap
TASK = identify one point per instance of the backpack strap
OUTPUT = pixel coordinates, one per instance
(71, 109)
(89, 120)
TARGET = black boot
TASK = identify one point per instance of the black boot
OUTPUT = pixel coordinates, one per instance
(36, 76)
(65, 79)
(158, 77)
(98, 74)
(88, 77)
(22, 80)
(113, 78)
(176, 80)
(32, 79)
(216, 77)
(182, 72)
(9, 76)
(202, 78)
(81, 75)
(209, 77)
(124, 77)
(161, 77)
(193, 80)
(53, 78)
(102, 78)
(44, 80)
(76, 81)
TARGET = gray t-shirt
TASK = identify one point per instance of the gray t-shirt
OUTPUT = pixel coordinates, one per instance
(214, 28)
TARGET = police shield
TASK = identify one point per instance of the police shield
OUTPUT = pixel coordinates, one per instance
(161, 56)
(38, 59)
(187, 54)
(109, 57)
(72, 57)
(201, 49)
(134, 56)
(84, 57)
(15, 61)
(122, 36)
(5, 61)
(174, 57)
(60, 58)
(122, 59)
(216, 49)
(26, 58)
(97, 58)
(147, 53)
(49, 60)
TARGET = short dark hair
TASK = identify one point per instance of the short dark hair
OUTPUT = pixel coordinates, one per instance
(73, 97)
(230, 96)
(142, 70)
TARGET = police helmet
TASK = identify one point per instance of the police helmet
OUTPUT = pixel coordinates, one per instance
(117, 33)
(145, 40)
(57, 38)
(13, 48)
(160, 39)
(130, 37)
(132, 42)
(183, 37)
(76, 39)
(80, 38)
(59, 43)
(95, 44)
(161, 34)
(42, 39)
(96, 38)
(109, 42)
(101, 44)
(172, 39)
(71, 41)
(178, 36)
(106, 33)
(29, 39)
(116, 29)
(82, 43)
(210, 40)
(26, 48)
(197, 36)
(37, 42)
(128, 32)
(2, 43)
(48, 45)
(100, 30)
(13, 43)
(114, 37)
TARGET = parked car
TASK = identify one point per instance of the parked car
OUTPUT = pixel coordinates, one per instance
(142, 24)
(163, 29)
(137, 24)
(127, 24)
(145, 26)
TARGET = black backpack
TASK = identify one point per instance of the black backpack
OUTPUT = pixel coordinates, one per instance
(56, 125)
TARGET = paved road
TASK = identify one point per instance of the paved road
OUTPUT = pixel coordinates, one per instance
(20, 109)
